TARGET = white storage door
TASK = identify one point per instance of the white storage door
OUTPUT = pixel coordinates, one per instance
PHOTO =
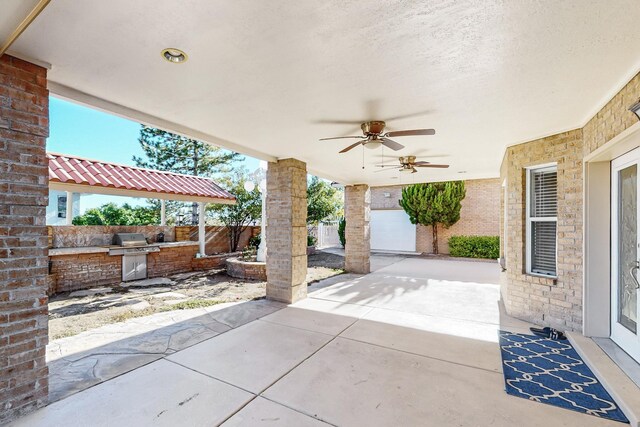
(391, 230)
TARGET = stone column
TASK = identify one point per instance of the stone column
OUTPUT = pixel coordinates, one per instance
(357, 208)
(286, 230)
(24, 127)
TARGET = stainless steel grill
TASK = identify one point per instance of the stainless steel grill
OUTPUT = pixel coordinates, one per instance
(131, 243)
(129, 239)
(134, 249)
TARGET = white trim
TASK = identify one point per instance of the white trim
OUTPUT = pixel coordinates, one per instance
(620, 334)
(547, 167)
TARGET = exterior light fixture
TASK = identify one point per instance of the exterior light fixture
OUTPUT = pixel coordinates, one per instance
(635, 109)
(174, 55)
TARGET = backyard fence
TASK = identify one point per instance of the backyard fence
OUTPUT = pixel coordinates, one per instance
(328, 235)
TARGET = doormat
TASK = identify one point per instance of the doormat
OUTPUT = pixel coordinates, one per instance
(552, 372)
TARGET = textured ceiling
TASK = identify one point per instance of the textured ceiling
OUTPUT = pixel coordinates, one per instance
(267, 76)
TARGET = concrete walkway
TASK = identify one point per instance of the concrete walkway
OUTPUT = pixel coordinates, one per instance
(412, 344)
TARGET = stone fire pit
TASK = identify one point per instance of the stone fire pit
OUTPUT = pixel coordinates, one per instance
(242, 269)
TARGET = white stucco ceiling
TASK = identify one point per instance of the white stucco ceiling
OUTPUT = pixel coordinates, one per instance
(13, 12)
(266, 75)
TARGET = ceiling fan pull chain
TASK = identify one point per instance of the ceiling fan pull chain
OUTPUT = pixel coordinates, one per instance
(362, 156)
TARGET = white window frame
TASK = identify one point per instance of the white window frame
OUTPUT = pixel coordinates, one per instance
(528, 238)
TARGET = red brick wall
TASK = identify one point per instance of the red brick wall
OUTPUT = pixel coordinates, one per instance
(171, 261)
(82, 271)
(217, 237)
(24, 126)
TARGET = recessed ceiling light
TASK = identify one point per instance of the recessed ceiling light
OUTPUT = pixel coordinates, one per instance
(174, 55)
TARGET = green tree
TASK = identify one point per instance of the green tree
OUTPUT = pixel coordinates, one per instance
(433, 204)
(166, 151)
(247, 210)
(323, 201)
(342, 226)
(111, 214)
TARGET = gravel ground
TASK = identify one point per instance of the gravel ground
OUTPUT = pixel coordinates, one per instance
(72, 313)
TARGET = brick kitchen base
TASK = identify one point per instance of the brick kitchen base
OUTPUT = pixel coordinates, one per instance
(89, 270)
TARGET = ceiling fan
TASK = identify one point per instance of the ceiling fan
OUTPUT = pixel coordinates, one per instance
(408, 164)
(374, 136)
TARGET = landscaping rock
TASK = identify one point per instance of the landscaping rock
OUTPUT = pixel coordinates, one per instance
(156, 281)
(90, 292)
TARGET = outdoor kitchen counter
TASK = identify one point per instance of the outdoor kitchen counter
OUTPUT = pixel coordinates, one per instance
(105, 249)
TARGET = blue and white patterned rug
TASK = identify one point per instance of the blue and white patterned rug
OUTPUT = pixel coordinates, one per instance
(552, 372)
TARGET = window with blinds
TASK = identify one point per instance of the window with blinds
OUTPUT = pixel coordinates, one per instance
(542, 211)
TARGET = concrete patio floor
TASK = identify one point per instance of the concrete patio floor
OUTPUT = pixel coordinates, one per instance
(412, 344)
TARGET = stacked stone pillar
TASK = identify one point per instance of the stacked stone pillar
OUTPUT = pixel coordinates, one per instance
(357, 201)
(286, 230)
(24, 127)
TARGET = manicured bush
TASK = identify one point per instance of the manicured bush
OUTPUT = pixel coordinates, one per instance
(311, 241)
(475, 246)
(342, 224)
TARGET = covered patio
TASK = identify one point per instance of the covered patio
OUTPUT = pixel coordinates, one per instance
(516, 90)
(412, 343)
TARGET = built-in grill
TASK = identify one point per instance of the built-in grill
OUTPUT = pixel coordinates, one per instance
(134, 249)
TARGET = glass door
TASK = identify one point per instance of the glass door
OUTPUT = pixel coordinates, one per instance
(624, 250)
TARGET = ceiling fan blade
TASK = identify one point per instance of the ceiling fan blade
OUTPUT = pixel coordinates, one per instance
(341, 137)
(352, 146)
(414, 170)
(412, 132)
(421, 163)
(389, 143)
(386, 166)
(431, 165)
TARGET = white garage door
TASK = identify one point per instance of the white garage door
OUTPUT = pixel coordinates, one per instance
(391, 230)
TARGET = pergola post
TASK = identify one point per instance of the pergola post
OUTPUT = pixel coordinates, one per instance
(286, 230)
(69, 219)
(201, 229)
(357, 208)
(163, 212)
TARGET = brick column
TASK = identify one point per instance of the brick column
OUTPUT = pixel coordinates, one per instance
(24, 126)
(357, 207)
(287, 230)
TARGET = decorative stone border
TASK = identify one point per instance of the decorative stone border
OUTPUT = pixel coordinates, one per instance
(246, 269)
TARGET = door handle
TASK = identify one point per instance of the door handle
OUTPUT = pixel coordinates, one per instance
(632, 272)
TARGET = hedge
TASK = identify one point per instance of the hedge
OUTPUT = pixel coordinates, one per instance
(475, 246)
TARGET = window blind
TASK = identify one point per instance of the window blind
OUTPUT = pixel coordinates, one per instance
(543, 211)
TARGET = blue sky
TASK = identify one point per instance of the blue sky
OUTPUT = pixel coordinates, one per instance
(89, 133)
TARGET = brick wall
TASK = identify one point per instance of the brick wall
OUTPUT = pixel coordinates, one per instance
(538, 299)
(217, 237)
(24, 126)
(286, 230)
(541, 300)
(357, 208)
(83, 271)
(479, 216)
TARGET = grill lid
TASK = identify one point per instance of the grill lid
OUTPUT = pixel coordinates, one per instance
(129, 239)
